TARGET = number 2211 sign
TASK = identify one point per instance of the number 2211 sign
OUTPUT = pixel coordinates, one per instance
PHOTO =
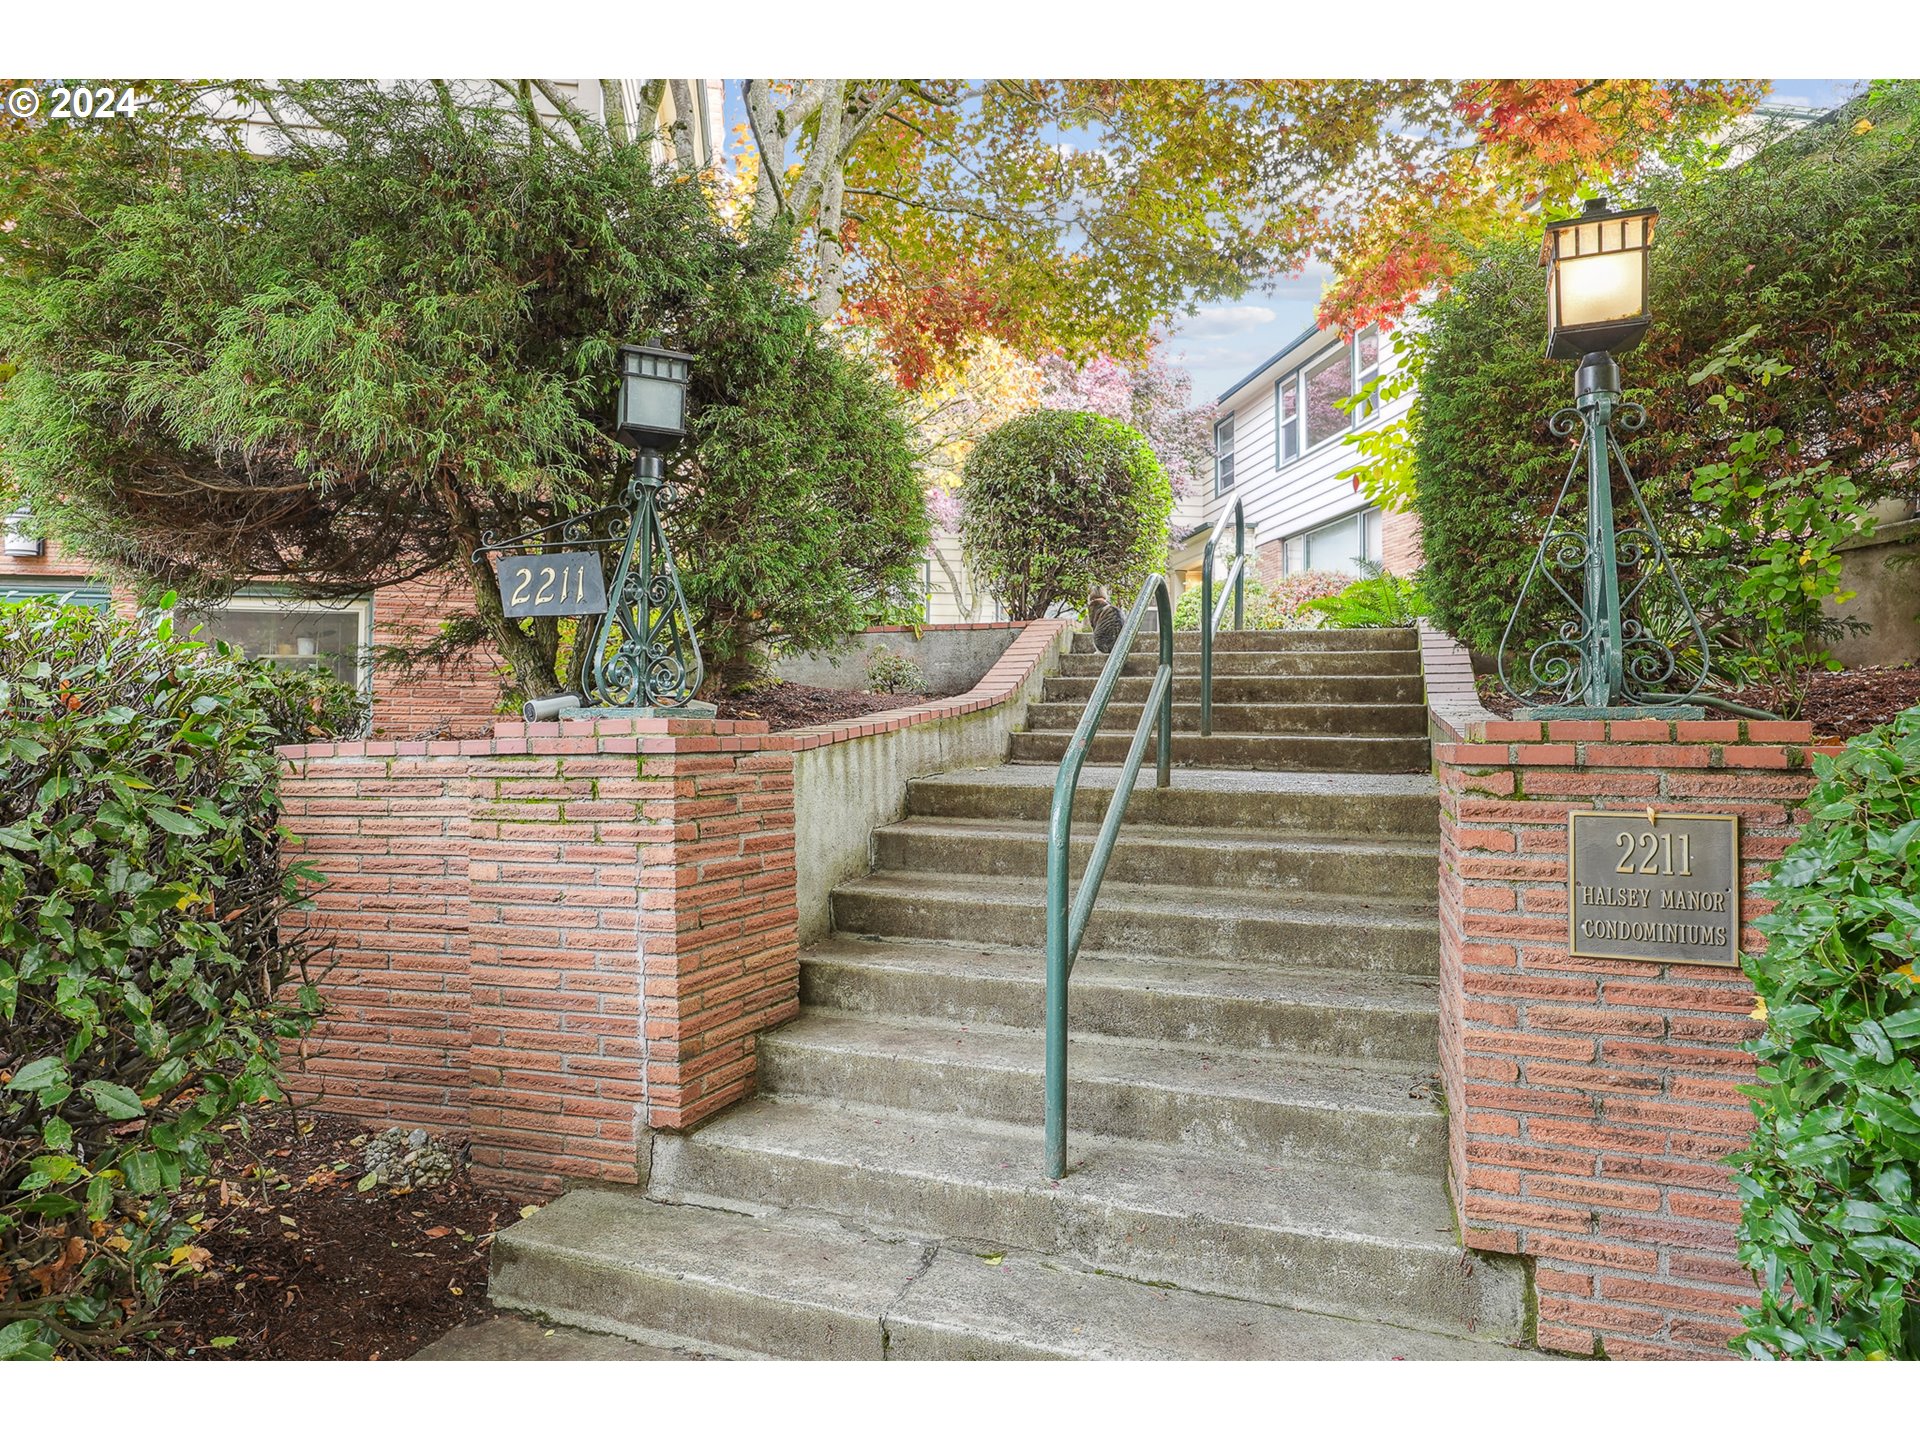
(1650, 886)
(570, 583)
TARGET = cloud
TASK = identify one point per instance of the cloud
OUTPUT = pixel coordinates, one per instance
(1224, 320)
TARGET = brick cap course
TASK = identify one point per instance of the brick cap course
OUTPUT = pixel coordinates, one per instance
(1009, 675)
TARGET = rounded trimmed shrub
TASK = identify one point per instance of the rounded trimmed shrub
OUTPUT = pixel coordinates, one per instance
(1056, 502)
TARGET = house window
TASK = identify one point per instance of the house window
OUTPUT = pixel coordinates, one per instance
(1366, 370)
(69, 592)
(284, 631)
(1341, 545)
(1311, 401)
(1289, 404)
(1223, 456)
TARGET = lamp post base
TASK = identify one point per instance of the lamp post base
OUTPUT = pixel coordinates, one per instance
(1612, 712)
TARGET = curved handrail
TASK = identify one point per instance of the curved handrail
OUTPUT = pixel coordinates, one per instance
(1209, 612)
(1067, 922)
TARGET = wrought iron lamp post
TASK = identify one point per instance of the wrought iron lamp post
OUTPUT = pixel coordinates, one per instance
(1608, 652)
(645, 654)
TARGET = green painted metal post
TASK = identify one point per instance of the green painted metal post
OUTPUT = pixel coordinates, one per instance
(1164, 766)
(1209, 619)
(1597, 392)
(1067, 915)
(1206, 640)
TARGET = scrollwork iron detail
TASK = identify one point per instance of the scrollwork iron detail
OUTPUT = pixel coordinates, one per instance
(1609, 645)
(645, 651)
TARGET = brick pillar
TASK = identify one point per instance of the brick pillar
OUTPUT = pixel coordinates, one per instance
(620, 895)
(1591, 1102)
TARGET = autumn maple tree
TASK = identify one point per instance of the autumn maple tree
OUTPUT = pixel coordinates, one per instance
(1076, 215)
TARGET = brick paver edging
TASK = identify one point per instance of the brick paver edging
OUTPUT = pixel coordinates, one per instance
(561, 936)
(1591, 1102)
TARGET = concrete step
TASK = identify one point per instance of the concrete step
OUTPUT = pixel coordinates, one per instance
(1224, 750)
(1323, 803)
(1238, 859)
(1259, 1102)
(1256, 662)
(622, 1264)
(1272, 641)
(1250, 689)
(1295, 932)
(1349, 1016)
(1266, 718)
(1360, 1244)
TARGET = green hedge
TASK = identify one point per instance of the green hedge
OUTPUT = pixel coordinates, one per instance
(1815, 241)
(1829, 1222)
(141, 969)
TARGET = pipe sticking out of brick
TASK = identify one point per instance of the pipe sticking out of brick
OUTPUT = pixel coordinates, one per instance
(550, 707)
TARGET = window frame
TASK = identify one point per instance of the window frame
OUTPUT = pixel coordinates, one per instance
(1372, 521)
(1224, 476)
(1295, 431)
(260, 598)
(89, 593)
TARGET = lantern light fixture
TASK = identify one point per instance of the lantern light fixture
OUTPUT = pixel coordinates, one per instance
(653, 394)
(1597, 268)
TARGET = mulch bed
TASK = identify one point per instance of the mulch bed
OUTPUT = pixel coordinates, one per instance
(1840, 703)
(786, 706)
(1845, 703)
(300, 1265)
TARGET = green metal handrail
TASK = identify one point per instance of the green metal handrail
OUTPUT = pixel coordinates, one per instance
(1209, 612)
(1067, 922)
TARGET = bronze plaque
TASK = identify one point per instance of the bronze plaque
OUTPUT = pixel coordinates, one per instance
(1651, 885)
(565, 584)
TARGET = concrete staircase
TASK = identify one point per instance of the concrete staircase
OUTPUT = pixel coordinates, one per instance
(1257, 1159)
(1309, 700)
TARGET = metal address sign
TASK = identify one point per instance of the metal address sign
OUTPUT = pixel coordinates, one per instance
(569, 583)
(1649, 886)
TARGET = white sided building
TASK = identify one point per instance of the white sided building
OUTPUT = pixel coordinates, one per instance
(1281, 441)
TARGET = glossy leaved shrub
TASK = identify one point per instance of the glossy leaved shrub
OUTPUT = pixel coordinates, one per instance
(1829, 1221)
(144, 987)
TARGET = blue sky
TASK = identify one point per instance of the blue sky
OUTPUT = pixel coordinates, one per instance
(1221, 343)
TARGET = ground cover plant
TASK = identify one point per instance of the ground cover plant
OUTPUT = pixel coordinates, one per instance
(1059, 501)
(144, 988)
(1829, 1223)
(1778, 380)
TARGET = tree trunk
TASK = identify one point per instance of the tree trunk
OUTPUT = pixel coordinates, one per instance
(532, 658)
(685, 153)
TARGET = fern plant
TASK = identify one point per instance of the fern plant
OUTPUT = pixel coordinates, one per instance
(1379, 600)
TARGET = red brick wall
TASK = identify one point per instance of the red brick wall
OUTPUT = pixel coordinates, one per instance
(1400, 542)
(390, 833)
(588, 871)
(1591, 1102)
(459, 698)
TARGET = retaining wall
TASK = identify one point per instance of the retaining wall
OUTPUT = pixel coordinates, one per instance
(559, 937)
(953, 658)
